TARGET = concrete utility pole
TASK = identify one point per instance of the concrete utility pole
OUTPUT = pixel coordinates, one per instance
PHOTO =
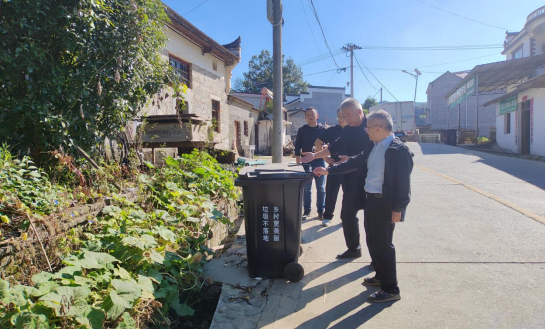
(278, 137)
(415, 76)
(381, 96)
(350, 48)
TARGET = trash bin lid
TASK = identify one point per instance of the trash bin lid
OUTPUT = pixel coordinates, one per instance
(275, 172)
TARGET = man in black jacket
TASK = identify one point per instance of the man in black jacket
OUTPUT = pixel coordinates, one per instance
(387, 193)
(304, 142)
(333, 183)
(353, 141)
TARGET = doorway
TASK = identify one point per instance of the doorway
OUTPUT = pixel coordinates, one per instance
(525, 128)
(238, 143)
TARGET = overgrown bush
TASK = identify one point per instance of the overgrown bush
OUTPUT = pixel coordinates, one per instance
(24, 188)
(139, 263)
(75, 72)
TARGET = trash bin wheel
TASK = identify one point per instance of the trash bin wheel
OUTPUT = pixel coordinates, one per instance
(300, 250)
(294, 272)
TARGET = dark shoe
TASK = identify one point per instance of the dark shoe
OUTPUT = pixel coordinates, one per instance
(305, 215)
(349, 254)
(371, 281)
(320, 216)
(383, 296)
(371, 267)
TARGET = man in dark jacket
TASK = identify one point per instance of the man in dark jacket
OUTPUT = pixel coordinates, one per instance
(333, 182)
(387, 194)
(352, 142)
(304, 142)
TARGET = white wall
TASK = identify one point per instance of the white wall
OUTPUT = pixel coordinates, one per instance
(537, 144)
(506, 141)
(189, 52)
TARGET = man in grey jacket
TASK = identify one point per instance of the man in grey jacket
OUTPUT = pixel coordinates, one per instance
(387, 193)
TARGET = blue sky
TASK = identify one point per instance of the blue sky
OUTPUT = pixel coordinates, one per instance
(390, 23)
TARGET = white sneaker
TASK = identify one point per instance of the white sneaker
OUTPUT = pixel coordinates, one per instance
(326, 222)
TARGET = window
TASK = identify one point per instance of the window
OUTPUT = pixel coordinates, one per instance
(183, 69)
(524, 106)
(507, 123)
(215, 65)
(517, 53)
(216, 116)
(245, 128)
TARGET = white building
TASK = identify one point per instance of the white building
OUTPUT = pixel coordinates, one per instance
(520, 113)
(263, 125)
(203, 115)
(326, 100)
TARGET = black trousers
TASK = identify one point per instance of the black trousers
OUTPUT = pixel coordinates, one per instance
(333, 184)
(379, 231)
(349, 212)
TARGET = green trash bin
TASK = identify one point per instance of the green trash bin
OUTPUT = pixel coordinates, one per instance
(273, 202)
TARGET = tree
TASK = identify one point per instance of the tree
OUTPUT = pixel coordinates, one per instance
(369, 102)
(75, 72)
(260, 74)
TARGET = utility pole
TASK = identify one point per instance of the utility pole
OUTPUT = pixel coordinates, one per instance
(350, 48)
(278, 137)
(381, 96)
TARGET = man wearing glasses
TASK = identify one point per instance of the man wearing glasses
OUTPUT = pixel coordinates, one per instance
(387, 194)
(352, 142)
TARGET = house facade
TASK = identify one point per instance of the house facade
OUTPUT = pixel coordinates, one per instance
(262, 141)
(200, 114)
(440, 117)
(325, 99)
(520, 114)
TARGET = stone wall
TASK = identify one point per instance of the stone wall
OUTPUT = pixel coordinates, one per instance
(242, 113)
(53, 227)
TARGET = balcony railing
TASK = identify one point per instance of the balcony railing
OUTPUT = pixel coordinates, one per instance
(536, 13)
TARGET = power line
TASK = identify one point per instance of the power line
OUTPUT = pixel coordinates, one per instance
(338, 71)
(322, 29)
(462, 47)
(359, 65)
(465, 47)
(202, 3)
(469, 19)
(379, 82)
(320, 57)
(469, 59)
(310, 28)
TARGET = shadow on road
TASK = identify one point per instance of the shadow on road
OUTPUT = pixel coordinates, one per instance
(324, 320)
(527, 170)
(316, 232)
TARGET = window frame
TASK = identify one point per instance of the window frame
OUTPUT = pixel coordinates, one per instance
(514, 53)
(179, 72)
(246, 130)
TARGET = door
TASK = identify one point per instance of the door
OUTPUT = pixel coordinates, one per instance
(238, 144)
(525, 128)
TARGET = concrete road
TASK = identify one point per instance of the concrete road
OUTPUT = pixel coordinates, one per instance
(471, 253)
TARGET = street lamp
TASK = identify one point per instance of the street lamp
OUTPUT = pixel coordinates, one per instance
(415, 76)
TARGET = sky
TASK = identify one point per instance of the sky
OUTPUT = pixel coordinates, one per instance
(366, 23)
